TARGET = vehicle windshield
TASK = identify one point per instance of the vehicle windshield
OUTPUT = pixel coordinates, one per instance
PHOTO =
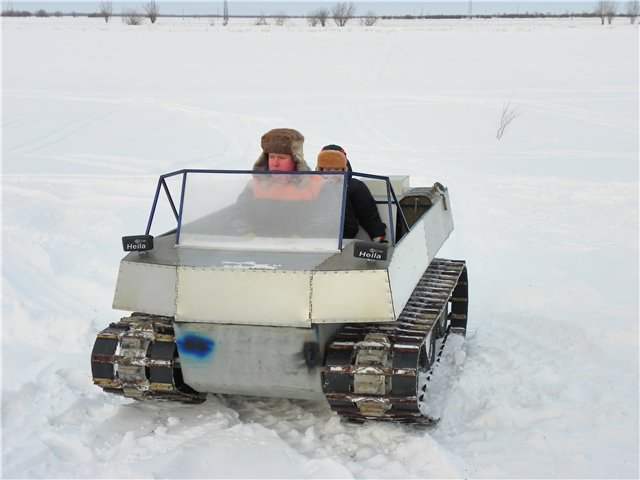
(262, 211)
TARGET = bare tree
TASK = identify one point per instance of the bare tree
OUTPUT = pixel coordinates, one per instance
(318, 16)
(281, 19)
(152, 10)
(225, 14)
(105, 9)
(41, 13)
(369, 19)
(132, 17)
(633, 10)
(508, 115)
(606, 9)
(600, 10)
(261, 20)
(323, 16)
(611, 11)
(342, 12)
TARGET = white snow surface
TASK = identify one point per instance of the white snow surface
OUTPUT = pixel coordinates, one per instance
(547, 219)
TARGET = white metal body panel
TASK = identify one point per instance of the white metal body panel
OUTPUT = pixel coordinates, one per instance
(311, 289)
(252, 360)
(438, 224)
(414, 253)
(244, 297)
(146, 287)
(351, 297)
(409, 260)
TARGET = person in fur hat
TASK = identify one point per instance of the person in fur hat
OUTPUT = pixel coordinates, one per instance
(361, 207)
(281, 151)
(293, 197)
(275, 205)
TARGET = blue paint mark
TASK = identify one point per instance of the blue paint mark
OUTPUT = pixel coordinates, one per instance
(196, 345)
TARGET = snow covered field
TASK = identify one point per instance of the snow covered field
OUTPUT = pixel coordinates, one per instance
(547, 219)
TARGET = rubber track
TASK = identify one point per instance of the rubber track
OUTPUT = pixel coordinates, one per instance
(137, 357)
(437, 306)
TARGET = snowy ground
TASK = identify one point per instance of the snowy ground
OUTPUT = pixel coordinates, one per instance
(547, 219)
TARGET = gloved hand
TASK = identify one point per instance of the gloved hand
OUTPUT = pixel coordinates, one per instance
(380, 239)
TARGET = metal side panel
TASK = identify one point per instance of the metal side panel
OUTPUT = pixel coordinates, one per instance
(244, 297)
(145, 287)
(409, 260)
(414, 253)
(438, 224)
(251, 360)
(351, 296)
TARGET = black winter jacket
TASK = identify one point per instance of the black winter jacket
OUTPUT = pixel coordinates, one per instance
(361, 209)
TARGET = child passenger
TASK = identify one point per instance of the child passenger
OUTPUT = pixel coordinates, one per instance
(361, 209)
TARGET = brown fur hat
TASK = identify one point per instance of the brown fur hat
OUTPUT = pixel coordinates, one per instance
(331, 160)
(282, 140)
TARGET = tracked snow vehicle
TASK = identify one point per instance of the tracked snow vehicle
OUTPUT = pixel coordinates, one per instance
(256, 292)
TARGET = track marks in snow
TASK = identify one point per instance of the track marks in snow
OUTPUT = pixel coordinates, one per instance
(56, 276)
(316, 432)
(487, 407)
(56, 136)
(106, 436)
(121, 164)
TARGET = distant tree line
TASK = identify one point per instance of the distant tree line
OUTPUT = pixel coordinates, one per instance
(607, 10)
(341, 13)
(150, 10)
(26, 13)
